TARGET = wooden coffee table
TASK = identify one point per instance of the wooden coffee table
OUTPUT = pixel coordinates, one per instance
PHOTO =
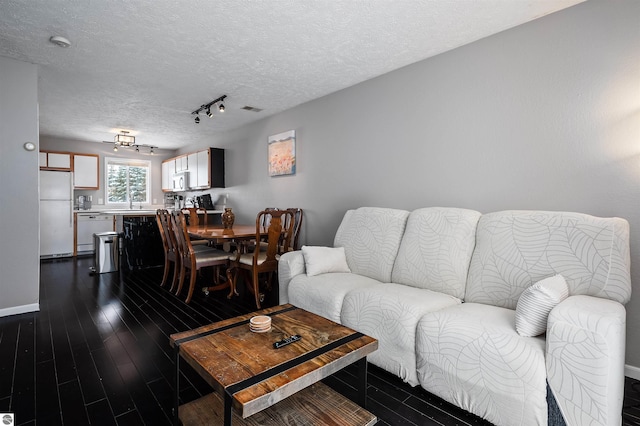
(255, 384)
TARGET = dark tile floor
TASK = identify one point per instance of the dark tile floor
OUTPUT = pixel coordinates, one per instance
(98, 353)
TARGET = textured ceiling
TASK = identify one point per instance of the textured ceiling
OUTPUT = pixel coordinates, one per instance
(144, 65)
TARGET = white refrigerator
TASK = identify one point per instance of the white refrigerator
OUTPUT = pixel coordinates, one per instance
(56, 214)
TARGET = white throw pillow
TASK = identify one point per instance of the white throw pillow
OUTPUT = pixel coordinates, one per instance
(322, 260)
(536, 302)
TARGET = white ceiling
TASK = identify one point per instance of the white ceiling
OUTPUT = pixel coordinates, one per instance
(144, 65)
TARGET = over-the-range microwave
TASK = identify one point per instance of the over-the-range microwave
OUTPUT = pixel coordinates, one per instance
(181, 181)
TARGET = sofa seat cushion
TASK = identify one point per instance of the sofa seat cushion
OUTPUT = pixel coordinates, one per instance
(323, 294)
(390, 312)
(472, 356)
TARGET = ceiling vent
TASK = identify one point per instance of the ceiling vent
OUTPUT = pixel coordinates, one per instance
(250, 108)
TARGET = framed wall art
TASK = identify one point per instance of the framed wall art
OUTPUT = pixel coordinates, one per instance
(282, 154)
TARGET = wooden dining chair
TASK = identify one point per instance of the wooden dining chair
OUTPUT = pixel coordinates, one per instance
(171, 255)
(193, 215)
(194, 258)
(252, 265)
(250, 246)
(297, 225)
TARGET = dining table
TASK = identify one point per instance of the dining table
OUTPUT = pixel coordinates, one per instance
(219, 235)
(238, 234)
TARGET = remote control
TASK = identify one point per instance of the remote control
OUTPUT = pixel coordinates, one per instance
(285, 342)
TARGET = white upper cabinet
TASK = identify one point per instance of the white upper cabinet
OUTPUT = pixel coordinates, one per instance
(192, 161)
(206, 169)
(86, 169)
(181, 164)
(55, 160)
(168, 169)
(203, 171)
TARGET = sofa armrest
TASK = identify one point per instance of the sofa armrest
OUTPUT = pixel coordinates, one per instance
(585, 359)
(289, 265)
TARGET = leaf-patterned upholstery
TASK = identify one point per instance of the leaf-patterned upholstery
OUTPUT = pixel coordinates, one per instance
(438, 288)
(472, 356)
(371, 237)
(436, 249)
(515, 249)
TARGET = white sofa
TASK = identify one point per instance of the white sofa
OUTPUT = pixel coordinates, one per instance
(438, 287)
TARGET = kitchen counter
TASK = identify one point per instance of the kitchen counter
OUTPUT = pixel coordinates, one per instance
(119, 212)
(131, 212)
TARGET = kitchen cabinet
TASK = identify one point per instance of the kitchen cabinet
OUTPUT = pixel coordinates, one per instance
(86, 169)
(50, 160)
(182, 164)
(192, 163)
(209, 169)
(142, 242)
(205, 169)
(168, 169)
(215, 168)
(88, 224)
(199, 167)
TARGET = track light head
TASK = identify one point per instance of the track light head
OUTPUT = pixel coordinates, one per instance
(115, 147)
(151, 151)
(206, 108)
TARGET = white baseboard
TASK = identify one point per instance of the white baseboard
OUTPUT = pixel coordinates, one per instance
(631, 371)
(15, 310)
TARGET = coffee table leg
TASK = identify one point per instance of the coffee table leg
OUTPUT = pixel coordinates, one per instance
(227, 409)
(362, 382)
(176, 384)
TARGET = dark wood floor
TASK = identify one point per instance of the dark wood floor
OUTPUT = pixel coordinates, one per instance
(98, 353)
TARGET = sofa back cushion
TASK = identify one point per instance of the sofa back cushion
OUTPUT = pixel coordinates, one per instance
(436, 249)
(371, 237)
(515, 249)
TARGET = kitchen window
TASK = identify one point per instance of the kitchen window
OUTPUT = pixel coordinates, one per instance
(127, 181)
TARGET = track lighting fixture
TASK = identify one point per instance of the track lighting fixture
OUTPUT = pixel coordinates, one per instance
(206, 108)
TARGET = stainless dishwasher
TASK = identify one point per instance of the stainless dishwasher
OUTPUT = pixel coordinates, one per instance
(89, 224)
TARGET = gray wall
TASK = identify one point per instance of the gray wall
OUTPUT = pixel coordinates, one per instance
(19, 211)
(543, 116)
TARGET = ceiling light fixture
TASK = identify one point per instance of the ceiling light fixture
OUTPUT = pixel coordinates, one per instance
(123, 139)
(60, 41)
(206, 108)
